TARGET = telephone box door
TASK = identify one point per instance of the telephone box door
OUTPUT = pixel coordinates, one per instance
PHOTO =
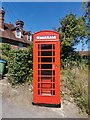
(46, 69)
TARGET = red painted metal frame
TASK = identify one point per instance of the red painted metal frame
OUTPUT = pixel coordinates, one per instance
(40, 98)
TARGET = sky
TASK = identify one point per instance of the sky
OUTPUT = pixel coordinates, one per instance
(40, 15)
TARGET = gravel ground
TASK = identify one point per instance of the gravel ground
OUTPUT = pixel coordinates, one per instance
(17, 103)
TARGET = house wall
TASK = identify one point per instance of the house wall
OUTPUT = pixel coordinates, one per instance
(14, 44)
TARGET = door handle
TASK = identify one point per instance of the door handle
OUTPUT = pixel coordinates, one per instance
(56, 66)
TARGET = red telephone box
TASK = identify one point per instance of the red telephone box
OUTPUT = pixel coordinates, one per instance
(46, 68)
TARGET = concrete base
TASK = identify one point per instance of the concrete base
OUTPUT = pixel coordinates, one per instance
(48, 105)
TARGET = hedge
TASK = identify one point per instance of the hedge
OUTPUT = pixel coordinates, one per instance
(20, 66)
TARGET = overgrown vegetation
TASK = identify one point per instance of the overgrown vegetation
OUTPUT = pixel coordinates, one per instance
(5, 48)
(76, 81)
(74, 70)
(4, 51)
(20, 66)
(86, 6)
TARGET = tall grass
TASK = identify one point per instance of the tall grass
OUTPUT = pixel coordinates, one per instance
(76, 80)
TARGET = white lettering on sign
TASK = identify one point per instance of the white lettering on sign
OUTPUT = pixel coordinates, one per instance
(46, 37)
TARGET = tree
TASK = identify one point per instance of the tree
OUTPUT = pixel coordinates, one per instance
(86, 7)
(72, 30)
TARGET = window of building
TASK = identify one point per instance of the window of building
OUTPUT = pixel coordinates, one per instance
(20, 45)
(29, 36)
(18, 33)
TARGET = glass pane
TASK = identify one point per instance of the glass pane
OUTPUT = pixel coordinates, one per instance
(53, 85)
(38, 79)
(53, 53)
(38, 59)
(38, 85)
(39, 47)
(46, 59)
(53, 79)
(46, 72)
(53, 72)
(54, 59)
(53, 46)
(46, 53)
(39, 53)
(45, 92)
(39, 72)
(38, 92)
(46, 79)
(46, 85)
(53, 92)
(46, 46)
(46, 66)
(39, 66)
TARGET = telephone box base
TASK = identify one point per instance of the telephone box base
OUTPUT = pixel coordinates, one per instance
(48, 105)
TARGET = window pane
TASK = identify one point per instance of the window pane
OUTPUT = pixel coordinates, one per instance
(39, 47)
(46, 59)
(53, 53)
(46, 79)
(46, 66)
(46, 46)
(20, 45)
(54, 59)
(39, 53)
(38, 59)
(39, 66)
(39, 72)
(53, 72)
(53, 46)
(46, 53)
(46, 72)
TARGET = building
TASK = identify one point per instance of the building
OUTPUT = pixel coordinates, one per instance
(14, 35)
(84, 54)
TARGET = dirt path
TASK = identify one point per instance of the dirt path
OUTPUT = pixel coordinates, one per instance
(17, 103)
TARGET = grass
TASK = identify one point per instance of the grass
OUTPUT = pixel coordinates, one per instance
(76, 81)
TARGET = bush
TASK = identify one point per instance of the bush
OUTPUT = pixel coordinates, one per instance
(20, 66)
(70, 58)
(4, 51)
(5, 48)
